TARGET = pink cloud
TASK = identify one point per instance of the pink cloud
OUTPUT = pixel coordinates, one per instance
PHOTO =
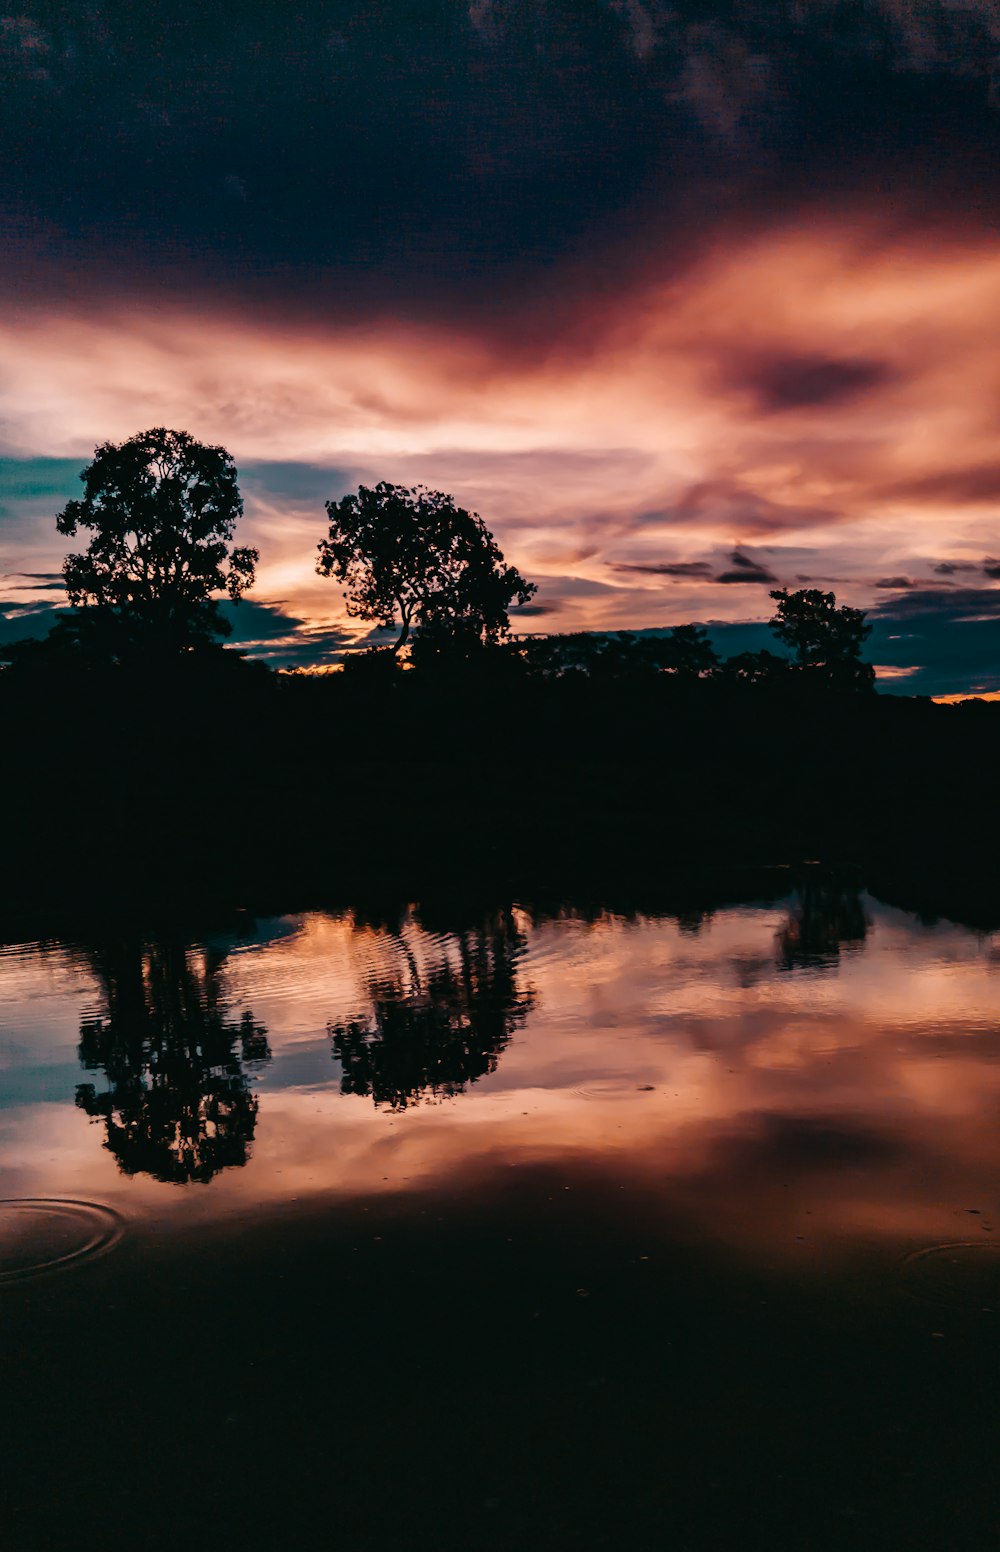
(826, 389)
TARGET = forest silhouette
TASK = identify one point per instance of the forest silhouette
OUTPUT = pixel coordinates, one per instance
(145, 763)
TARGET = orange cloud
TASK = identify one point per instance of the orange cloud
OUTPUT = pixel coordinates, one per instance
(824, 393)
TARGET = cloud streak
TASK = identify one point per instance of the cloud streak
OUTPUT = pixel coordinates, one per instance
(609, 453)
(648, 285)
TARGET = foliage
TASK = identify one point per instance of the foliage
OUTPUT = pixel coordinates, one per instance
(413, 559)
(161, 508)
(684, 653)
(756, 668)
(820, 633)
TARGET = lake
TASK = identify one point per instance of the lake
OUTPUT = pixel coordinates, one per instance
(504, 1225)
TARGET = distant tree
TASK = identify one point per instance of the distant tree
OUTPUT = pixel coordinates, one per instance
(414, 560)
(824, 637)
(756, 668)
(684, 653)
(162, 509)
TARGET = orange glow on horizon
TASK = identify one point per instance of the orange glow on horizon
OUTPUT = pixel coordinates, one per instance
(643, 439)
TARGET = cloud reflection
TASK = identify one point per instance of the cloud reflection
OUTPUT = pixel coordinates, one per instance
(825, 1071)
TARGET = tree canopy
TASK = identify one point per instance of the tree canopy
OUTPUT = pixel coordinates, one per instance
(824, 637)
(162, 509)
(816, 628)
(685, 653)
(412, 559)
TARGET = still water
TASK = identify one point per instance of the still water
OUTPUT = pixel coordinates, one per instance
(504, 1226)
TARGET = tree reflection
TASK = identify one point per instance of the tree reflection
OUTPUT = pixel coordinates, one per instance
(432, 1031)
(178, 1105)
(825, 915)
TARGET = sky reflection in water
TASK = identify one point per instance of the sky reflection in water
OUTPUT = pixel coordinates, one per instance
(790, 1080)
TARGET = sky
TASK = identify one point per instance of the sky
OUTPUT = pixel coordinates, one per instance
(688, 300)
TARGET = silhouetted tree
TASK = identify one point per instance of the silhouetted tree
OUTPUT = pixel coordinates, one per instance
(162, 509)
(687, 652)
(684, 653)
(756, 668)
(435, 1032)
(178, 1105)
(413, 559)
(824, 637)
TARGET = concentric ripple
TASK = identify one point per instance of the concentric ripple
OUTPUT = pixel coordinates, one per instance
(40, 1234)
(615, 1088)
(964, 1274)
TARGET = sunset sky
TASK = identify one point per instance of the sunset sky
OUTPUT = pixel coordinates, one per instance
(688, 300)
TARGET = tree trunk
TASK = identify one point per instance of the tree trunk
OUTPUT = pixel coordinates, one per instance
(399, 644)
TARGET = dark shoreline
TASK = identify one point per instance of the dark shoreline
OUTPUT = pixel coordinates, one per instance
(141, 799)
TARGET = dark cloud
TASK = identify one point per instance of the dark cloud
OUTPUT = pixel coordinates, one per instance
(680, 568)
(574, 587)
(895, 582)
(745, 570)
(951, 568)
(790, 382)
(32, 582)
(25, 622)
(723, 80)
(36, 483)
(951, 636)
(758, 574)
(261, 630)
(300, 484)
(991, 568)
(309, 649)
(282, 640)
(25, 51)
(448, 156)
(969, 603)
(252, 620)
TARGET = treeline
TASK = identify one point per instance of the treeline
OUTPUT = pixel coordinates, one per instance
(146, 768)
(139, 785)
(161, 510)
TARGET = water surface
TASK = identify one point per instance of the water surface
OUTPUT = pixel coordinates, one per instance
(504, 1226)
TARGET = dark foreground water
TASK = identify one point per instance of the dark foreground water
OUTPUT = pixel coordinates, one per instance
(504, 1228)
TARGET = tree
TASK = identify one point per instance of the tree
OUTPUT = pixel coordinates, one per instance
(825, 639)
(756, 668)
(413, 559)
(162, 509)
(685, 653)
